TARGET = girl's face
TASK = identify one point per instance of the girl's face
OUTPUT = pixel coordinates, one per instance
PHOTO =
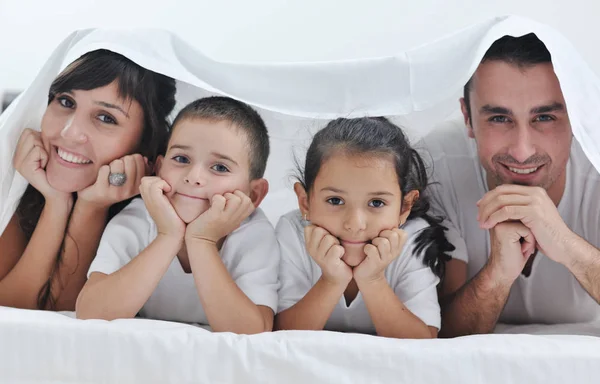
(84, 130)
(355, 198)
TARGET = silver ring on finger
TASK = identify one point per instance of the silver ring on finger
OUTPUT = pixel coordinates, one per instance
(117, 179)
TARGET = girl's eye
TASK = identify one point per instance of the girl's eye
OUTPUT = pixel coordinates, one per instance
(65, 102)
(181, 159)
(107, 119)
(220, 168)
(335, 201)
(376, 203)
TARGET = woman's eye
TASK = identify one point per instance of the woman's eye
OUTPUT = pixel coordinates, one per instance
(66, 102)
(107, 119)
(181, 159)
(220, 168)
(376, 203)
(335, 201)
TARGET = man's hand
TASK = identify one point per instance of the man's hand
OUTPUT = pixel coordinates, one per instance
(512, 244)
(533, 207)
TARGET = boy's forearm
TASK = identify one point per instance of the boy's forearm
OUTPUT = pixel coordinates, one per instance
(227, 307)
(123, 293)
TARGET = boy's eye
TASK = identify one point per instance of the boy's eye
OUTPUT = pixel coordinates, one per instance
(220, 168)
(376, 203)
(181, 159)
(335, 201)
(107, 119)
(65, 102)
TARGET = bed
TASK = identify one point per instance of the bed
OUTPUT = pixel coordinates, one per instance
(39, 346)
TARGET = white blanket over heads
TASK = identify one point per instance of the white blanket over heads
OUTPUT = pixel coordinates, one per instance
(418, 88)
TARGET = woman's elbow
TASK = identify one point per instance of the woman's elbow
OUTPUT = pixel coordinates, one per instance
(83, 309)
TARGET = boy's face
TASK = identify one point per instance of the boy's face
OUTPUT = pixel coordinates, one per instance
(204, 158)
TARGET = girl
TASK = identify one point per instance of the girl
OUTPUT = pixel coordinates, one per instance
(361, 254)
(106, 119)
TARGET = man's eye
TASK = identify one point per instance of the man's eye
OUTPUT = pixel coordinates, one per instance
(498, 119)
(544, 118)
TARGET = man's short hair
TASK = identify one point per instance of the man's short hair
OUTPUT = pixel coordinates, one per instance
(523, 52)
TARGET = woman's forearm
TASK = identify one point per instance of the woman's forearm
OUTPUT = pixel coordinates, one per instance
(21, 286)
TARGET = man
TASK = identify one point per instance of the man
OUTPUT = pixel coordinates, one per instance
(520, 198)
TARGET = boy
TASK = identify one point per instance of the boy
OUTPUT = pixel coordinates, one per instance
(196, 249)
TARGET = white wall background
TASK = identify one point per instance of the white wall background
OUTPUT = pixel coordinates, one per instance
(281, 30)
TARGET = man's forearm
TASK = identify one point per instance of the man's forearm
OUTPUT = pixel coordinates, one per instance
(584, 263)
(475, 307)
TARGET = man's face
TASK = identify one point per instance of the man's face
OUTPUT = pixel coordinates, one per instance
(520, 123)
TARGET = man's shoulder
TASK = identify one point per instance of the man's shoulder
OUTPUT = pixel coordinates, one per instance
(451, 157)
(580, 205)
(447, 139)
(581, 167)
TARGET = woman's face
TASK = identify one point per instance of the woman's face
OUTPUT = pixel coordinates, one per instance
(84, 130)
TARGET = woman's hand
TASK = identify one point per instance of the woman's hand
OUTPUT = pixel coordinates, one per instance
(30, 160)
(103, 194)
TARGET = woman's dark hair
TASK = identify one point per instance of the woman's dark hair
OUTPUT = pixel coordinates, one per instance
(378, 136)
(154, 92)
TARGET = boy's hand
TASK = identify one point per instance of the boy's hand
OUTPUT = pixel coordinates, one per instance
(168, 222)
(225, 215)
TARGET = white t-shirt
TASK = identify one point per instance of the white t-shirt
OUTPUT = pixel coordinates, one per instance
(412, 281)
(250, 254)
(550, 294)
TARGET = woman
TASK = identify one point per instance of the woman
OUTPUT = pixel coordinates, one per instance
(105, 122)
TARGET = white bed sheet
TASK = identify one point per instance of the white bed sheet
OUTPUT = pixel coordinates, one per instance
(37, 346)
